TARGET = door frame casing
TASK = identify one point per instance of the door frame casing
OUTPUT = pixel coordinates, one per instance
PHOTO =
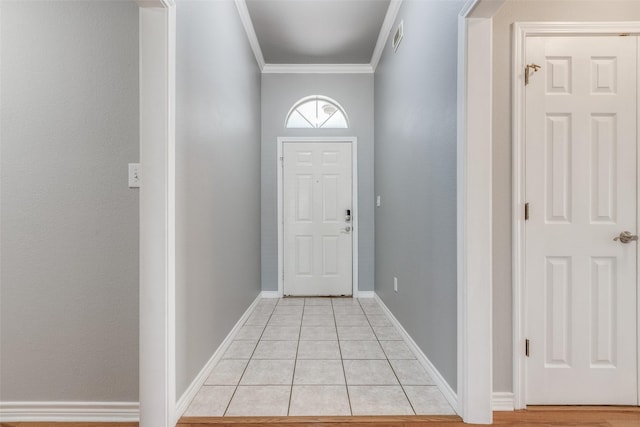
(474, 211)
(354, 203)
(522, 30)
(157, 373)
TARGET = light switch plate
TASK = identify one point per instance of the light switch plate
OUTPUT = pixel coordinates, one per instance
(134, 175)
(378, 201)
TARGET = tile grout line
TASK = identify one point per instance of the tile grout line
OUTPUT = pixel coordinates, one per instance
(394, 371)
(295, 361)
(344, 372)
(389, 362)
(273, 311)
(250, 357)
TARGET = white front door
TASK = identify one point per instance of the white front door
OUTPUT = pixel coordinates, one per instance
(318, 230)
(581, 161)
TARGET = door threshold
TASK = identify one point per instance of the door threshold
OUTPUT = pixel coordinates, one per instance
(321, 421)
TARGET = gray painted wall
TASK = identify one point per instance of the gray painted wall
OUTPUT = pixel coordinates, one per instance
(279, 93)
(513, 11)
(415, 175)
(69, 264)
(218, 180)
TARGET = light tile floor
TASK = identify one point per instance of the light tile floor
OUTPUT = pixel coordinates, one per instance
(318, 356)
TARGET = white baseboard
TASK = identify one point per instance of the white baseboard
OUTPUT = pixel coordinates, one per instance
(502, 401)
(441, 383)
(270, 294)
(69, 411)
(192, 390)
(366, 294)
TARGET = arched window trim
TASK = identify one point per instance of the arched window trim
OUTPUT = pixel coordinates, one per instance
(317, 98)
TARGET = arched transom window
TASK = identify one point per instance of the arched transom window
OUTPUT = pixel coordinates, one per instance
(317, 112)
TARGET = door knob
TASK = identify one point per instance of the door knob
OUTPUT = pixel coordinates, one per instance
(626, 237)
(347, 229)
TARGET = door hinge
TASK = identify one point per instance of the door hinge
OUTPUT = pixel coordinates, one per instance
(526, 211)
(282, 161)
(527, 72)
(526, 347)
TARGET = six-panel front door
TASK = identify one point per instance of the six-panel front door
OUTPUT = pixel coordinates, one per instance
(318, 230)
(581, 157)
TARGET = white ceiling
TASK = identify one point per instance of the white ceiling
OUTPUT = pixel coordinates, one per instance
(317, 31)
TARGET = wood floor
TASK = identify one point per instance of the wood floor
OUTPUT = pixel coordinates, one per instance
(533, 417)
(47, 424)
(352, 421)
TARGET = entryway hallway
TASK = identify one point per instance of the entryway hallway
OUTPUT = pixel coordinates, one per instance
(318, 357)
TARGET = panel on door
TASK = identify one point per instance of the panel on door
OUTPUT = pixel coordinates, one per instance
(581, 157)
(317, 197)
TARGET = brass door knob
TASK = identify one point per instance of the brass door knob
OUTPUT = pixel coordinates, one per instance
(626, 237)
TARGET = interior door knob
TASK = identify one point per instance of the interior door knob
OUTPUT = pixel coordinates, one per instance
(626, 237)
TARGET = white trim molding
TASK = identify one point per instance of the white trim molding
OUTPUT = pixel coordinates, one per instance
(270, 294)
(366, 294)
(354, 203)
(317, 69)
(522, 30)
(241, 5)
(385, 30)
(198, 381)
(67, 412)
(157, 215)
(502, 401)
(474, 196)
(441, 383)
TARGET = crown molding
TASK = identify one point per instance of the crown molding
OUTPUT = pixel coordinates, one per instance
(468, 7)
(241, 5)
(387, 25)
(317, 69)
(481, 8)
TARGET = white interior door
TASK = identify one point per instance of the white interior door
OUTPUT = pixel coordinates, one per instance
(581, 158)
(317, 203)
